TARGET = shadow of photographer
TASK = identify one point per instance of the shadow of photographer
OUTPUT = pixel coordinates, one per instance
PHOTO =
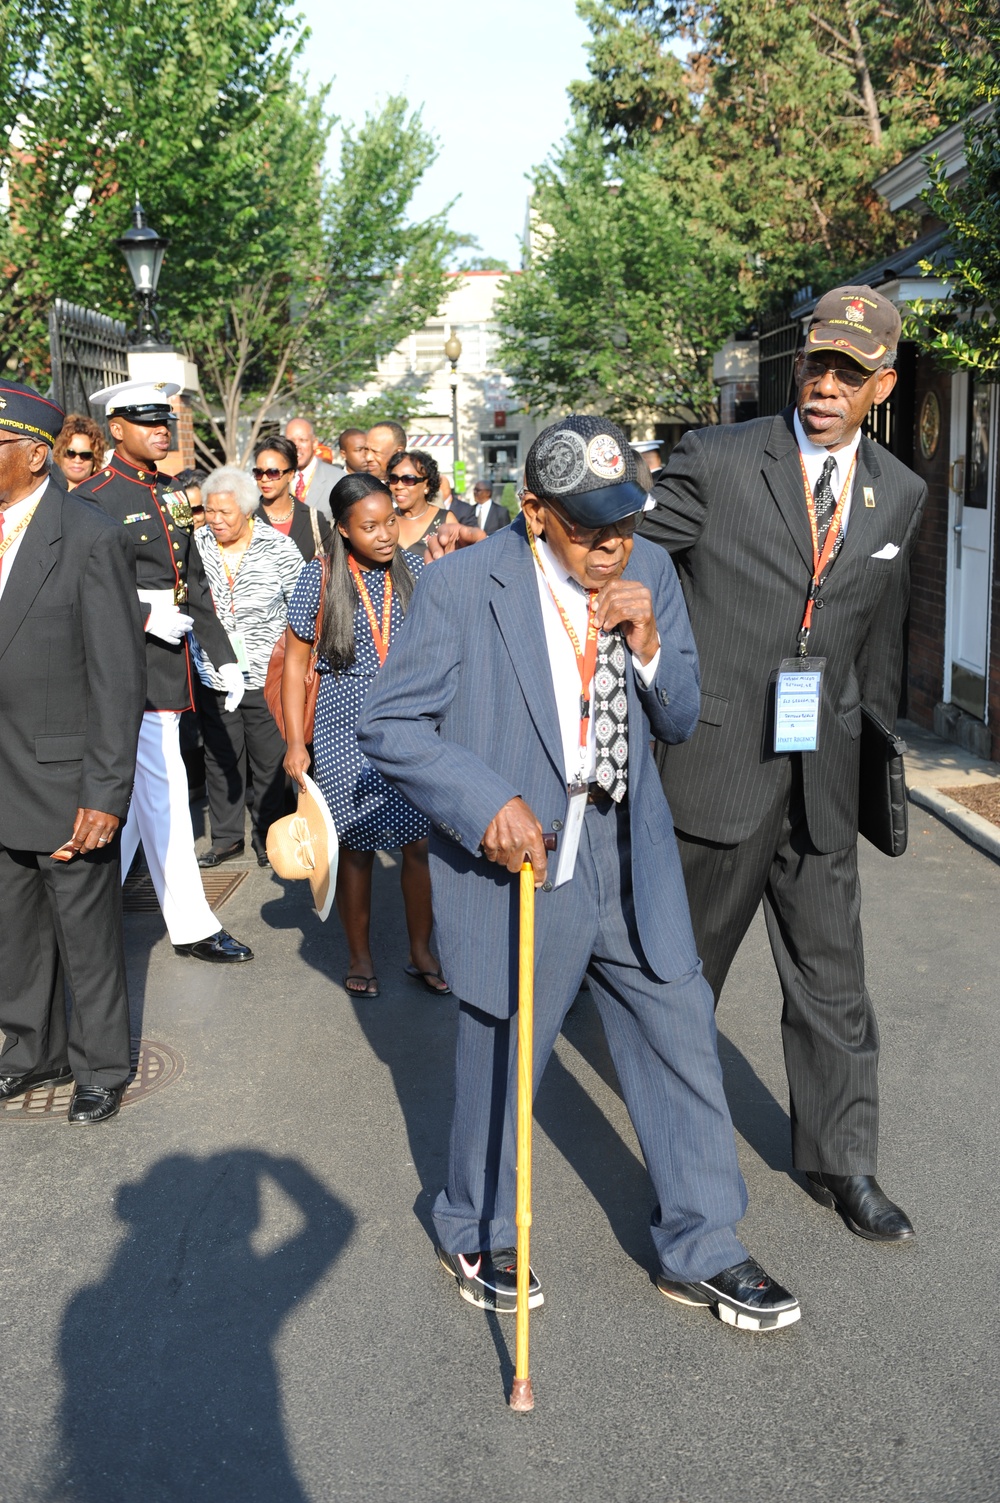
(171, 1389)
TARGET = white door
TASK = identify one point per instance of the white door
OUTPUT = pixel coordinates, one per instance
(973, 489)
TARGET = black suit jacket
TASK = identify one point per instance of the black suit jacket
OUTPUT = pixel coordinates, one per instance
(72, 674)
(166, 558)
(301, 530)
(731, 510)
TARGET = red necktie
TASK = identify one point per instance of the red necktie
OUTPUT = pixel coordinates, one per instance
(300, 486)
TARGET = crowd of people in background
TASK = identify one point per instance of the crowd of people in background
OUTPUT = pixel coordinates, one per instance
(351, 521)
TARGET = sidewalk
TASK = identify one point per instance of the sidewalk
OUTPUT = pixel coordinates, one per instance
(932, 765)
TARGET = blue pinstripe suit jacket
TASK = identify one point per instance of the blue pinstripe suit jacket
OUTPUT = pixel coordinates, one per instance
(731, 510)
(462, 718)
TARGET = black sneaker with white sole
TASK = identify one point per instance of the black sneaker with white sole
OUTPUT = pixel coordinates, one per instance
(743, 1296)
(489, 1279)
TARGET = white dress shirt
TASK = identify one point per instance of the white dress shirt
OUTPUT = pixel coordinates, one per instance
(12, 517)
(814, 457)
(482, 512)
(562, 660)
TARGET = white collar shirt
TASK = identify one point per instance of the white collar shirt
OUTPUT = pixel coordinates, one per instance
(580, 764)
(814, 457)
(482, 512)
(12, 518)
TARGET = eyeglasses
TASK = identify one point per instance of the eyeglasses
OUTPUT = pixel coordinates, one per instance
(13, 440)
(79, 453)
(847, 377)
(407, 479)
(589, 537)
(269, 474)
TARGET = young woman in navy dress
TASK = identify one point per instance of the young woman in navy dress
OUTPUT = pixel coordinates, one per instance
(370, 582)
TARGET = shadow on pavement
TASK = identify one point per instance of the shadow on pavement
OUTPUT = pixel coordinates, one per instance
(757, 1115)
(170, 1385)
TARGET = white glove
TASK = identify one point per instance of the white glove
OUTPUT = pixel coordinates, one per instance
(232, 676)
(168, 623)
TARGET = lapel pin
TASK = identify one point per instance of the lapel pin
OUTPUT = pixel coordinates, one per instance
(869, 496)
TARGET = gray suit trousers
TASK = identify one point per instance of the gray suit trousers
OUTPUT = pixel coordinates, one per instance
(663, 1042)
(812, 908)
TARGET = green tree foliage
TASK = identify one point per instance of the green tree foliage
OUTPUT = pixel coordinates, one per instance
(746, 135)
(621, 303)
(278, 278)
(963, 332)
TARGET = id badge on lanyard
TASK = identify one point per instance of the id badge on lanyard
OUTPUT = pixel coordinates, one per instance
(796, 704)
(576, 808)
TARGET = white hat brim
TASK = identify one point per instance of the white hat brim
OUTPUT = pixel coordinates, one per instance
(332, 846)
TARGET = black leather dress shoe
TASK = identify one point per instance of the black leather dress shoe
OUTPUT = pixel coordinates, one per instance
(744, 1296)
(863, 1204)
(221, 947)
(16, 1085)
(93, 1103)
(219, 853)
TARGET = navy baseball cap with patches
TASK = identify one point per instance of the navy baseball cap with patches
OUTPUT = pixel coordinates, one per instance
(24, 411)
(586, 465)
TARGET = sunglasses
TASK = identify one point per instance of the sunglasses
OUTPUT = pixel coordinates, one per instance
(269, 474)
(588, 536)
(407, 479)
(847, 377)
(79, 453)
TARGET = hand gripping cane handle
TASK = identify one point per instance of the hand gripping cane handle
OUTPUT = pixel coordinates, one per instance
(521, 1397)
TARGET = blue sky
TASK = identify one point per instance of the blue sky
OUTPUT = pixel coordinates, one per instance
(492, 81)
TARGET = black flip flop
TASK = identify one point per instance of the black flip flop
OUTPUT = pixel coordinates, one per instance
(421, 976)
(355, 991)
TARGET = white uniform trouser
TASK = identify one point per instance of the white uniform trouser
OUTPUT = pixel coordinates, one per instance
(160, 816)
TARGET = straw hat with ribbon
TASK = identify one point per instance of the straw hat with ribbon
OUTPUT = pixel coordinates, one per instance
(305, 845)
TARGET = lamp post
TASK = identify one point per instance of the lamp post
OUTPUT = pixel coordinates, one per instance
(453, 352)
(143, 250)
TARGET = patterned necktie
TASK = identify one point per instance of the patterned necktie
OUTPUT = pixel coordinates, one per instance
(611, 719)
(300, 486)
(823, 498)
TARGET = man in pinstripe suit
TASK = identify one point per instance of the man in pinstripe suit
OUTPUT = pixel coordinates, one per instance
(745, 510)
(482, 718)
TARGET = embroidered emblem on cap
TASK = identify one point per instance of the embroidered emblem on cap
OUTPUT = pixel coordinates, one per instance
(605, 458)
(854, 311)
(2, 402)
(159, 385)
(561, 462)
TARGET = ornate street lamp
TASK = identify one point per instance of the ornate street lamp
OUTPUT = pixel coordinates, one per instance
(143, 250)
(453, 352)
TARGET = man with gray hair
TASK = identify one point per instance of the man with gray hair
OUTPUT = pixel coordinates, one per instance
(251, 570)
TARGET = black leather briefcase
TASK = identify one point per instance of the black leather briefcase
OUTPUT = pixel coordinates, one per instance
(882, 808)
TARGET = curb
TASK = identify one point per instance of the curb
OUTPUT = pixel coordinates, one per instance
(980, 832)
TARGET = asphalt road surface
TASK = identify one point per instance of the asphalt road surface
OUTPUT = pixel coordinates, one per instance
(230, 1292)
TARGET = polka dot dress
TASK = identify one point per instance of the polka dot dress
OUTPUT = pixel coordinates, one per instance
(368, 812)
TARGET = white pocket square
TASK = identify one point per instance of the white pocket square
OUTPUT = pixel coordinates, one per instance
(889, 551)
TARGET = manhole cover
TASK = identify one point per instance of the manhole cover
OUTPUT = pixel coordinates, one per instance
(157, 1066)
(139, 896)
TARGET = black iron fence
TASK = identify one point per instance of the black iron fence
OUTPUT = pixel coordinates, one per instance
(89, 350)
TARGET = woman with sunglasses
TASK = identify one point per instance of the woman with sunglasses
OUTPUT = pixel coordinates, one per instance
(415, 480)
(79, 449)
(275, 461)
(369, 586)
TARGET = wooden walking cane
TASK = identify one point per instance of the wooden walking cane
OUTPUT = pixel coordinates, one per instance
(521, 1396)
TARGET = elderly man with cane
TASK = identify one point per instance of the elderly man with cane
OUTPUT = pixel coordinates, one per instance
(520, 699)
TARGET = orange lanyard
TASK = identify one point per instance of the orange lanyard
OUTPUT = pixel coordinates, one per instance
(586, 659)
(821, 558)
(380, 638)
